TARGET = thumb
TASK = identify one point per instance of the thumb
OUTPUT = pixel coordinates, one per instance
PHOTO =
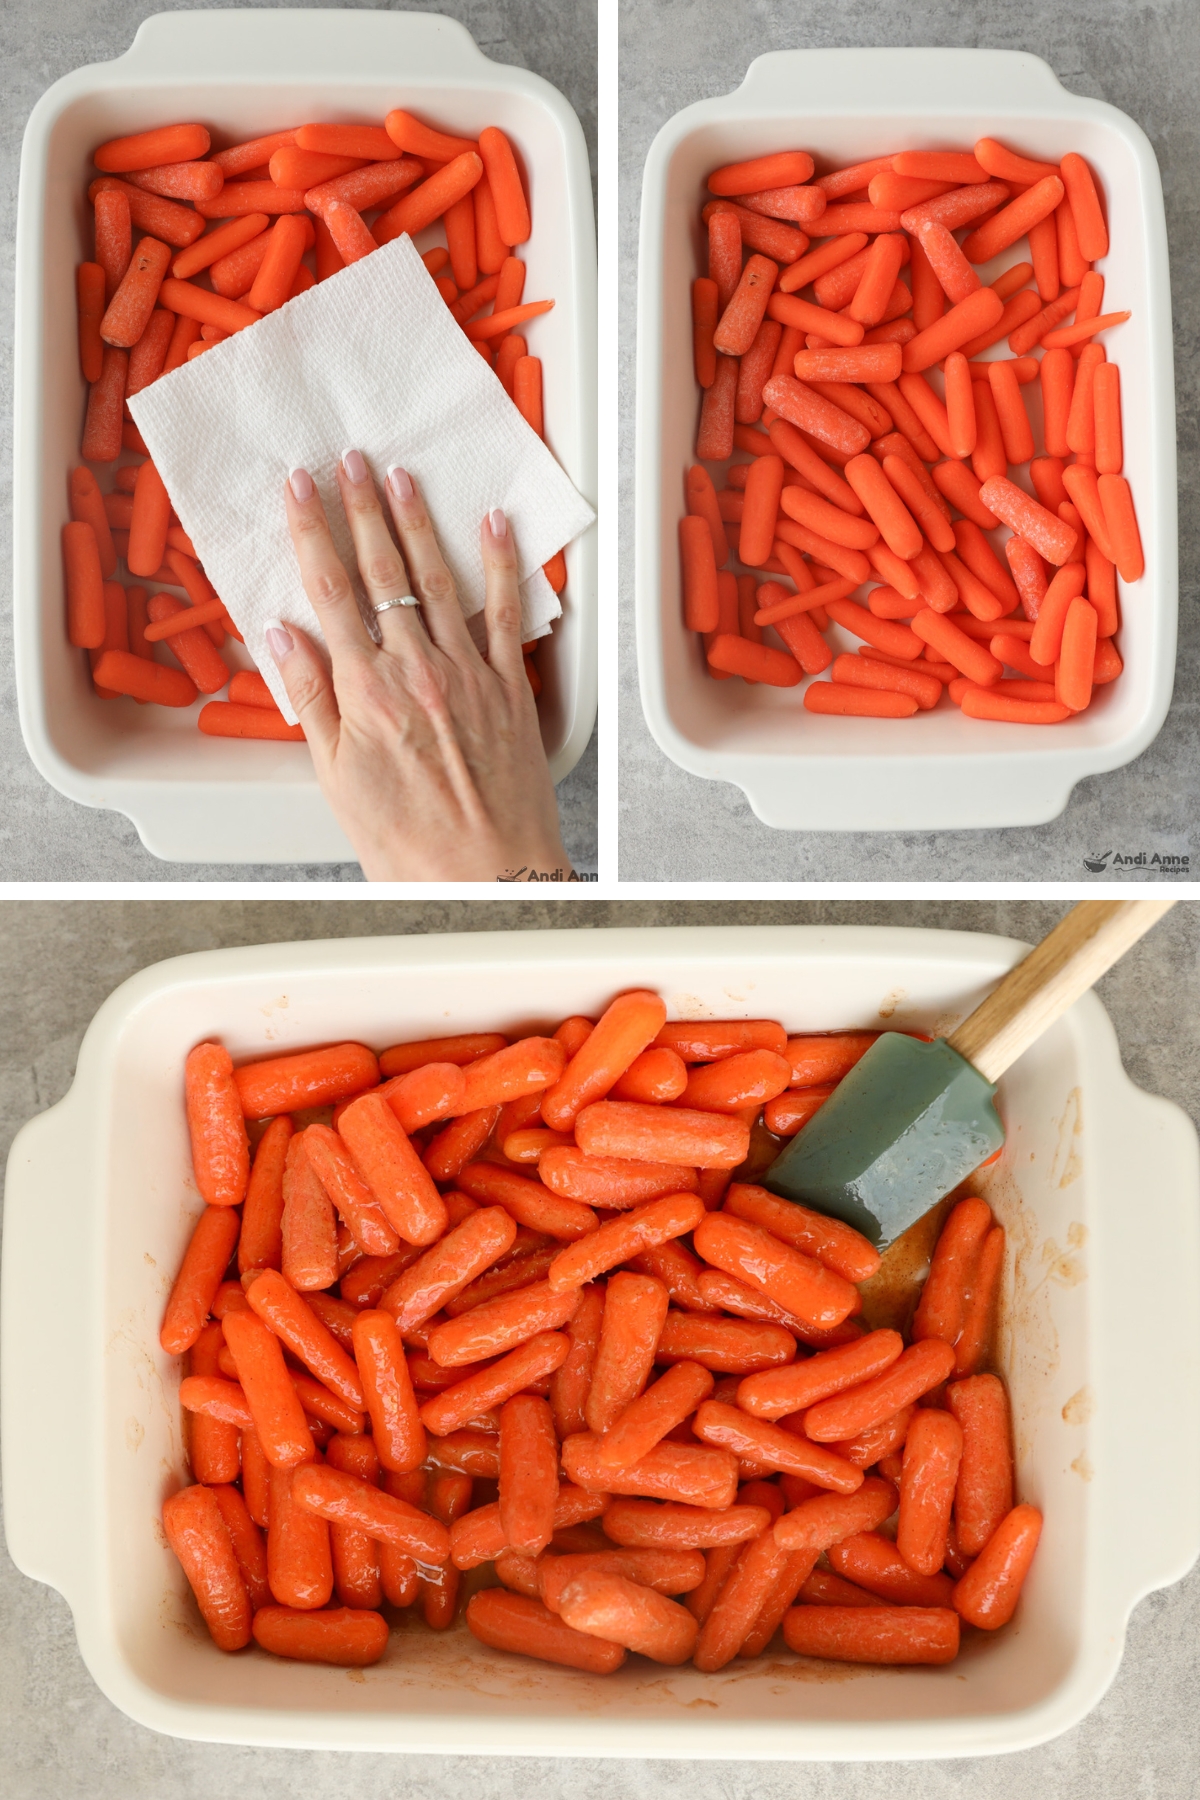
(309, 685)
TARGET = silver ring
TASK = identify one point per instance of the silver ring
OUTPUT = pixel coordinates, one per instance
(400, 600)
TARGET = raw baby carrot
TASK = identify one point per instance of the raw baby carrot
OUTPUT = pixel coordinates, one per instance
(113, 237)
(504, 179)
(176, 225)
(148, 524)
(416, 138)
(427, 202)
(189, 301)
(197, 653)
(102, 441)
(83, 579)
(127, 673)
(90, 301)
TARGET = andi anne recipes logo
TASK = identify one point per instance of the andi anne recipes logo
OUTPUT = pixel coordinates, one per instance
(1108, 860)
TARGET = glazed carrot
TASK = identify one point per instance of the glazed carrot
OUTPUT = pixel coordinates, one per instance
(771, 1447)
(213, 1448)
(500, 1325)
(777, 1392)
(758, 662)
(940, 1309)
(932, 1454)
(525, 1627)
(623, 1031)
(875, 1634)
(609, 1606)
(210, 1397)
(955, 328)
(528, 1473)
(341, 1498)
(655, 1076)
(529, 1202)
(646, 1420)
(634, 1312)
(427, 202)
(351, 1196)
(828, 1519)
(455, 1406)
(1120, 523)
(279, 1305)
(449, 1266)
(624, 1129)
(309, 1232)
(308, 1079)
(397, 1429)
(262, 1372)
(611, 1181)
(471, 1452)
(249, 1547)
(975, 1337)
(786, 1114)
(915, 1372)
(102, 425)
(690, 1473)
(199, 1277)
(422, 1096)
(197, 1534)
(148, 524)
(988, 1593)
(479, 1537)
(219, 1146)
(348, 1637)
(645, 1228)
(260, 1244)
(1048, 535)
(726, 1346)
(113, 236)
(797, 1282)
(463, 1138)
(465, 1048)
(704, 324)
(642, 1524)
(393, 1170)
(984, 1494)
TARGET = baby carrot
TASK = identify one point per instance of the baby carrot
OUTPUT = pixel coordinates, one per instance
(873, 1634)
(129, 309)
(260, 1242)
(611, 1181)
(1013, 221)
(627, 1026)
(772, 1447)
(348, 1637)
(515, 1623)
(427, 202)
(199, 1277)
(309, 1256)
(176, 225)
(393, 1170)
(1077, 656)
(262, 1372)
(689, 1473)
(634, 1312)
(528, 1473)
(217, 1132)
(339, 1497)
(932, 1454)
(921, 1367)
(90, 300)
(1084, 202)
(1121, 527)
(987, 1594)
(714, 438)
(481, 1239)
(102, 440)
(220, 719)
(795, 1281)
(1106, 405)
(83, 579)
(704, 324)
(777, 1392)
(1048, 535)
(145, 149)
(148, 524)
(649, 1417)
(398, 1432)
(113, 236)
(184, 298)
(504, 179)
(194, 649)
(455, 1406)
(955, 328)
(285, 246)
(199, 1537)
(500, 324)
(412, 135)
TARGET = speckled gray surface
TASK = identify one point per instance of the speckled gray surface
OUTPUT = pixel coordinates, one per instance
(43, 835)
(1142, 57)
(60, 1738)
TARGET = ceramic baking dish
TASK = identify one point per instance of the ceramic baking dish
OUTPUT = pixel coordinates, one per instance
(939, 771)
(199, 799)
(1101, 1297)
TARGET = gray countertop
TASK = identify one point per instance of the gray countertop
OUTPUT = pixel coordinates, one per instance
(59, 1737)
(1144, 59)
(43, 835)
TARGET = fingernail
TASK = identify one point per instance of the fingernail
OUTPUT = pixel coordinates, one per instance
(279, 638)
(400, 483)
(355, 467)
(497, 523)
(301, 484)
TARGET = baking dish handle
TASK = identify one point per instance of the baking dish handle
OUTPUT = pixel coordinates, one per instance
(48, 1405)
(931, 81)
(1148, 1367)
(210, 44)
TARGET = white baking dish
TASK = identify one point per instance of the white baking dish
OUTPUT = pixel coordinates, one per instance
(243, 73)
(938, 771)
(1098, 1188)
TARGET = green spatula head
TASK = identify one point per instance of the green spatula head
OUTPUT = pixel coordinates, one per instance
(906, 1125)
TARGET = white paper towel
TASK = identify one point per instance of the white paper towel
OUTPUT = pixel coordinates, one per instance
(371, 360)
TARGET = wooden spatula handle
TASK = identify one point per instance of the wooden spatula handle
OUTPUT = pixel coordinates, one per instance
(1094, 935)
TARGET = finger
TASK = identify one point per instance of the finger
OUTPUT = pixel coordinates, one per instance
(379, 562)
(502, 598)
(432, 581)
(309, 687)
(325, 581)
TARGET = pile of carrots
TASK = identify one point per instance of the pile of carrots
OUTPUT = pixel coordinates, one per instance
(815, 362)
(496, 1320)
(223, 241)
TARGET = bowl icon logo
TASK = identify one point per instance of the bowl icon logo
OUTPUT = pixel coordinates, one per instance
(1097, 864)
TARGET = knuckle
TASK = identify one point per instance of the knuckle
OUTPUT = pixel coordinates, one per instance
(437, 584)
(303, 692)
(328, 587)
(309, 522)
(382, 568)
(506, 615)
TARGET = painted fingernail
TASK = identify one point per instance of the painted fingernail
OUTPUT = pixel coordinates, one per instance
(279, 639)
(355, 467)
(301, 484)
(497, 523)
(400, 483)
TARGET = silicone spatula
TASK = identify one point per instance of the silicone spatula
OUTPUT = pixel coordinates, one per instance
(911, 1119)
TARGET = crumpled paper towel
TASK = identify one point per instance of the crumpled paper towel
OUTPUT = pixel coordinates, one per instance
(369, 359)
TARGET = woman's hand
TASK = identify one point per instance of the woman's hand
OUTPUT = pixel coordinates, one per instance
(429, 755)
